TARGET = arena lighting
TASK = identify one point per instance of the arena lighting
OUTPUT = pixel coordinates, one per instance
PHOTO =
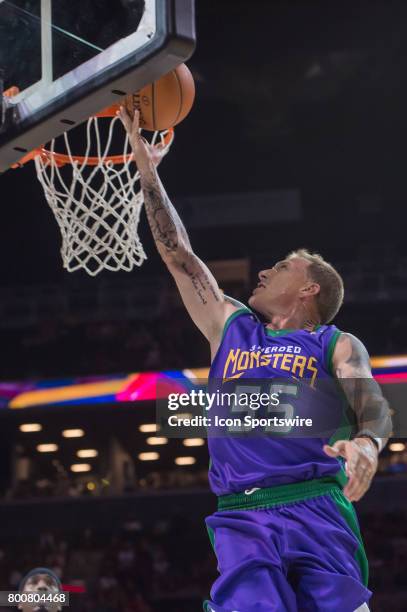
(81, 467)
(148, 456)
(153, 441)
(193, 442)
(90, 486)
(185, 460)
(47, 448)
(148, 428)
(73, 433)
(183, 415)
(87, 453)
(30, 427)
(397, 446)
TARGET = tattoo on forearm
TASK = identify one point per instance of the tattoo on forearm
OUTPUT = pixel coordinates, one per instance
(165, 224)
(169, 231)
(201, 283)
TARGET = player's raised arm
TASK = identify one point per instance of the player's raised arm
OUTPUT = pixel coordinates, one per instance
(352, 368)
(198, 288)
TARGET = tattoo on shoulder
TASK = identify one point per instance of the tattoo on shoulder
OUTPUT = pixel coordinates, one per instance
(356, 356)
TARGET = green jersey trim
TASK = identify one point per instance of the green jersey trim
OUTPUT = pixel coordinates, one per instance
(345, 427)
(233, 316)
(330, 351)
(284, 331)
(279, 332)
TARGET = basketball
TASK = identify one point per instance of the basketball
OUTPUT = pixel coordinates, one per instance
(166, 102)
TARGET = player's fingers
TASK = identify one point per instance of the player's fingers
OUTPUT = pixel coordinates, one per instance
(347, 491)
(328, 450)
(359, 493)
(359, 489)
(364, 484)
(352, 474)
(355, 485)
(359, 481)
(125, 119)
(336, 450)
(354, 461)
(361, 467)
(136, 122)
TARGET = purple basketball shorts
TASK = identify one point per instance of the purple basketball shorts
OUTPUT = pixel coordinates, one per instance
(299, 556)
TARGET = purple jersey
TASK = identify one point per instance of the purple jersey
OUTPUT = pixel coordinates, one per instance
(249, 350)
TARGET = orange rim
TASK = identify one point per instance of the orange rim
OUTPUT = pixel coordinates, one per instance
(11, 92)
(110, 111)
(61, 159)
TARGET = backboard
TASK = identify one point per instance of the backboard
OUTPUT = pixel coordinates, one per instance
(70, 60)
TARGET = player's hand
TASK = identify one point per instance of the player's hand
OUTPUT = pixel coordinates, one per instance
(144, 153)
(361, 457)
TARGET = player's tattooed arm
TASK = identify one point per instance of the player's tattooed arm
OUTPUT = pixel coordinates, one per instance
(352, 368)
(351, 359)
(166, 226)
(197, 286)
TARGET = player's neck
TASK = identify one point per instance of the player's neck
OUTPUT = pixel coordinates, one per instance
(295, 320)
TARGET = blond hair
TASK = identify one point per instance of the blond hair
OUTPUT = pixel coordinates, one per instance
(330, 296)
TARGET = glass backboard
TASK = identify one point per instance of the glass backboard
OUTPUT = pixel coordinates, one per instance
(70, 60)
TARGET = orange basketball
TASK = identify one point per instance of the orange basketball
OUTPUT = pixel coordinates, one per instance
(165, 102)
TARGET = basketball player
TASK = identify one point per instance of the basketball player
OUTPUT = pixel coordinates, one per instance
(286, 535)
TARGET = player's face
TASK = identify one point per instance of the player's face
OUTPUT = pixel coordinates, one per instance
(40, 583)
(279, 288)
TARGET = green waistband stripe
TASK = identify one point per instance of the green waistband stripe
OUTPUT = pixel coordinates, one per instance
(277, 496)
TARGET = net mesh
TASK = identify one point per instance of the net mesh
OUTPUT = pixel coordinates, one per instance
(98, 206)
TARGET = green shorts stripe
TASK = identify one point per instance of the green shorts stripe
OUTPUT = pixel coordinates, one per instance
(346, 509)
(282, 494)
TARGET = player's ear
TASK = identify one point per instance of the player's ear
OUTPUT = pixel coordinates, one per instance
(310, 289)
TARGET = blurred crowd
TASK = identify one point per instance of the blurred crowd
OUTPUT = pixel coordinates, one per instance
(119, 326)
(70, 346)
(66, 346)
(385, 538)
(71, 486)
(170, 564)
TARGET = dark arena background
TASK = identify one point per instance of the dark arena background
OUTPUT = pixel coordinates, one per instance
(297, 139)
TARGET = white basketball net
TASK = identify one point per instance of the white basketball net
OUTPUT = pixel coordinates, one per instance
(97, 207)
